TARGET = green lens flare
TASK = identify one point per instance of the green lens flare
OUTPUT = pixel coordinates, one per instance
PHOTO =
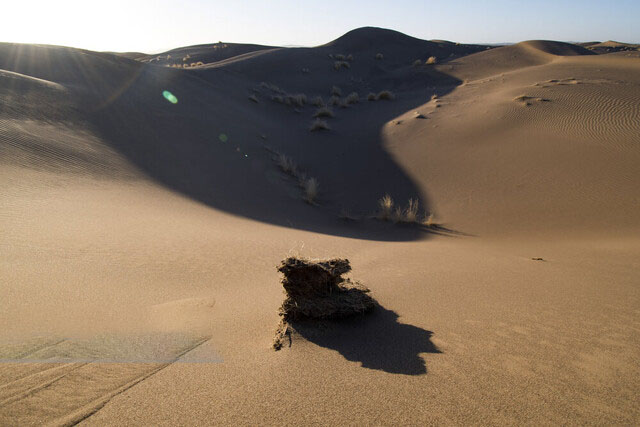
(170, 97)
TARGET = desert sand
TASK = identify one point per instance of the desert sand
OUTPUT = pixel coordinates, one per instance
(144, 212)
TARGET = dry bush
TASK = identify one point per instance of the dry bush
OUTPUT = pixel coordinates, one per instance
(253, 98)
(299, 99)
(371, 97)
(434, 96)
(386, 95)
(379, 56)
(339, 57)
(411, 212)
(386, 207)
(277, 98)
(432, 60)
(349, 57)
(310, 186)
(319, 125)
(317, 101)
(352, 98)
(323, 112)
(335, 90)
(417, 62)
(334, 100)
(341, 64)
(428, 220)
(287, 164)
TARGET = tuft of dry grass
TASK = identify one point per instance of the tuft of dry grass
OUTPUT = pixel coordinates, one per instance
(319, 125)
(411, 212)
(386, 95)
(253, 98)
(428, 220)
(386, 207)
(336, 91)
(341, 64)
(431, 60)
(352, 98)
(379, 56)
(317, 101)
(287, 164)
(323, 112)
(310, 186)
(434, 96)
(372, 96)
(298, 99)
(417, 62)
(340, 57)
(334, 100)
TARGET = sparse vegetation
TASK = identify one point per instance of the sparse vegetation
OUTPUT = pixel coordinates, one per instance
(317, 101)
(434, 96)
(335, 90)
(431, 60)
(287, 164)
(417, 62)
(253, 98)
(298, 99)
(310, 186)
(386, 95)
(323, 112)
(411, 212)
(349, 57)
(386, 207)
(319, 124)
(352, 98)
(341, 64)
(379, 56)
(371, 97)
(334, 100)
(340, 57)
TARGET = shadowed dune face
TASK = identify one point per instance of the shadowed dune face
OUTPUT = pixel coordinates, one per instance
(208, 144)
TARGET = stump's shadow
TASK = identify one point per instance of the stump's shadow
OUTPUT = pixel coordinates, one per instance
(376, 340)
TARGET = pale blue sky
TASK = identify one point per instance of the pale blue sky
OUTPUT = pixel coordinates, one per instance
(152, 26)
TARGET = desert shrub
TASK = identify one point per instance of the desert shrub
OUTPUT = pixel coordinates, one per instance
(386, 207)
(319, 125)
(199, 63)
(432, 60)
(411, 212)
(386, 95)
(334, 100)
(253, 98)
(323, 112)
(277, 98)
(417, 62)
(349, 57)
(372, 96)
(335, 90)
(310, 189)
(317, 101)
(428, 220)
(352, 98)
(299, 99)
(341, 64)
(286, 164)
(379, 56)
(434, 96)
(339, 57)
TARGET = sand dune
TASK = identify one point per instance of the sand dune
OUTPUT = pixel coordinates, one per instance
(144, 212)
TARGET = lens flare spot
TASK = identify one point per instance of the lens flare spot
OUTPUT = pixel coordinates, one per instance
(170, 97)
(223, 137)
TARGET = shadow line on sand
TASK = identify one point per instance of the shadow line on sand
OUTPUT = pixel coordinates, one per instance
(377, 341)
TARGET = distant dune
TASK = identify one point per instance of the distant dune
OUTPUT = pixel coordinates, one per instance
(146, 200)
